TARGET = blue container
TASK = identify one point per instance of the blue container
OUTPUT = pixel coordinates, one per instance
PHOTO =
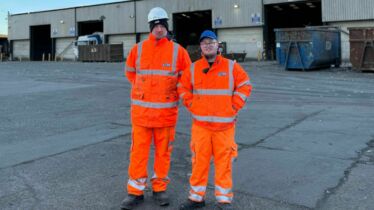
(308, 48)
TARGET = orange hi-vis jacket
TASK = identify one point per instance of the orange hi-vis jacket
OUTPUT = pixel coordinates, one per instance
(154, 67)
(215, 97)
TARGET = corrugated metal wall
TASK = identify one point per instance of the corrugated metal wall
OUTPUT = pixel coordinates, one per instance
(345, 10)
(61, 21)
(118, 18)
(245, 39)
(224, 15)
(21, 49)
(280, 1)
(66, 47)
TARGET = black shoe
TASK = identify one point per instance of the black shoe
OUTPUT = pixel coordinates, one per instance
(190, 205)
(161, 198)
(225, 206)
(131, 201)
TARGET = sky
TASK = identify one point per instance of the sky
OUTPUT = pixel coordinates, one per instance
(22, 6)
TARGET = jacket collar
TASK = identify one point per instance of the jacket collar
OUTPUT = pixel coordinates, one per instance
(152, 38)
(217, 61)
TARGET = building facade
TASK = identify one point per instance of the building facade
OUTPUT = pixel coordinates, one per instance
(244, 25)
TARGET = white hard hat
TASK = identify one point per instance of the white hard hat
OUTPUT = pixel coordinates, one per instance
(157, 13)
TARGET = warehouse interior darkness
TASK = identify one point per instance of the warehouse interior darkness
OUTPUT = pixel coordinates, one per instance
(40, 42)
(89, 27)
(289, 15)
(188, 26)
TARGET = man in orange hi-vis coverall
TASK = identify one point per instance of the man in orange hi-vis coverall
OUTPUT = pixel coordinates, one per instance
(213, 89)
(153, 67)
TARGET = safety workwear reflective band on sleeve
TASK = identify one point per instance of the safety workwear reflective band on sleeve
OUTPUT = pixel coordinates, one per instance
(158, 72)
(218, 92)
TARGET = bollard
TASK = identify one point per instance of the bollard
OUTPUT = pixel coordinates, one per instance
(20, 59)
(62, 58)
(10, 57)
(56, 57)
(43, 56)
(49, 56)
(1, 57)
(259, 56)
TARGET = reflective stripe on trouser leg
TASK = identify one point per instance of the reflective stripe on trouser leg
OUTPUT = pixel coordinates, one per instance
(163, 141)
(139, 155)
(224, 149)
(201, 149)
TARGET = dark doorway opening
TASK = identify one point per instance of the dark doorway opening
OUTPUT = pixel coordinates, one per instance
(40, 42)
(189, 25)
(90, 27)
(289, 15)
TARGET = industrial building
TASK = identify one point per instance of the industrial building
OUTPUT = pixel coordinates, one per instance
(244, 25)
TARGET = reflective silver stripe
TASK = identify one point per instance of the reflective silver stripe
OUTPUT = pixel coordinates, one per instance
(181, 96)
(195, 197)
(129, 69)
(241, 95)
(223, 190)
(214, 119)
(140, 47)
(198, 188)
(156, 177)
(154, 104)
(175, 56)
(247, 82)
(231, 75)
(212, 92)
(135, 184)
(155, 72)
(222, 198)
(192, 68)
(179, 85)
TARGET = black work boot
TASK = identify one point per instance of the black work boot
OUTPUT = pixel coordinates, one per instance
(224, 206)
(131, 201)
(190, 205)
(161, 198)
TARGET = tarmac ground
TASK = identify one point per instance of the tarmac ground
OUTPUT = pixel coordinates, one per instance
(306, 139)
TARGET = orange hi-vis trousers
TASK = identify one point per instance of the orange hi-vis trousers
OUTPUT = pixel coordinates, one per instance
(139, 154)
(206, 143)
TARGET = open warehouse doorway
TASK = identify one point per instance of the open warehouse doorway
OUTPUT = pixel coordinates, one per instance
(187, 29)
(289, 15)
(40, 42)
(189, 25)
(90, 27)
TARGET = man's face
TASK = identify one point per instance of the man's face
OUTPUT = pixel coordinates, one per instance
(159, 31)
(209, 46)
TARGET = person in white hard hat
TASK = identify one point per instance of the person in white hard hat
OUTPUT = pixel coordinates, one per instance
(153, 67)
